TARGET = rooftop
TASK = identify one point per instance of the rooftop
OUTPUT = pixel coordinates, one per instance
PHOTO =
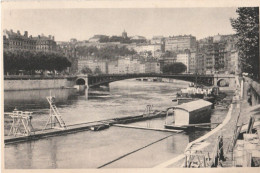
(194, 105)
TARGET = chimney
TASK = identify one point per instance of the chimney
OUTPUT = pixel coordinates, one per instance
(26, 33)
(53, 38)
(49, 36)
(11, 31)
(30, 36)
(39, 36)
(18, 32)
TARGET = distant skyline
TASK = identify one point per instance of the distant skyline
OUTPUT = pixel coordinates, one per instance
(82, 24)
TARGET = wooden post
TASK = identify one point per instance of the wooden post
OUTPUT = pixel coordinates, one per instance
(250, 124)
(247, 159)
(186, 159)
(236, 136)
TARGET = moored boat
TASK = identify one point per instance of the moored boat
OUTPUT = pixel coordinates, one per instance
(188, 115)
(195, 93)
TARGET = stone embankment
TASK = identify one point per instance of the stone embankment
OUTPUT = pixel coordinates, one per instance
(216, 147)
(16, 83)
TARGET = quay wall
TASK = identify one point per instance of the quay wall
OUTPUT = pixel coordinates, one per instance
(10, 85)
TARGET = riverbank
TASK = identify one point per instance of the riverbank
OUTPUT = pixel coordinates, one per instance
(36, 84)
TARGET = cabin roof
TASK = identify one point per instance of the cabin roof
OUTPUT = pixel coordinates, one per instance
(194, 105)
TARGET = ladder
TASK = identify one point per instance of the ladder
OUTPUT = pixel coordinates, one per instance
(55, 116)
(58, 115)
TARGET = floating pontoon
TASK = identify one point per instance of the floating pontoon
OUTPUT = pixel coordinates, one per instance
(190, 114)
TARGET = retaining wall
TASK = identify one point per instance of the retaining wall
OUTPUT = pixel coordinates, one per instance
(36, 84)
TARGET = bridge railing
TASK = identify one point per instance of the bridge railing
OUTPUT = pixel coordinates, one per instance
(150, 75)
(35, 77)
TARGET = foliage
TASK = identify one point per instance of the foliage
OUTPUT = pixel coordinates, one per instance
(247, 28)
(105, 53)
(32, 61)
(84, 50)
(119, 39)
(97, 71)
(86, 70)
(174, 68)
(169, 54)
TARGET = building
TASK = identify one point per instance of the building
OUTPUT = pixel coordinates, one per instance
(185, 59)
(98, 38)
(93, 65)
(216, 52)
(45, 44)
(193, 62)
(17, 41)
(152, 67)
(157, 40)
(124, 65)
(153, 48)
(68, 49)
(124, 34)
(113, 67)
(141, 67)
(138, 39)
(180, 43)
(200, 63)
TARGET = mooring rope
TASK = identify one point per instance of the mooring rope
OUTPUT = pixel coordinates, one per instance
(134, 151)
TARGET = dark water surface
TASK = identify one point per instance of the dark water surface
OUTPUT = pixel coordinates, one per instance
(92, 149)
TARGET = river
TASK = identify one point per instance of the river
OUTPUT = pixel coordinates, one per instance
(92, 149)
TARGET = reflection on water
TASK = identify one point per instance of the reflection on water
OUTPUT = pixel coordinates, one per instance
(92, 149)
(29, 99)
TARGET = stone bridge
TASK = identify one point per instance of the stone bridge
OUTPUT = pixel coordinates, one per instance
(105, 79)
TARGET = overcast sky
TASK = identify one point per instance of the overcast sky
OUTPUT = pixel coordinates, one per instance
(84, 23)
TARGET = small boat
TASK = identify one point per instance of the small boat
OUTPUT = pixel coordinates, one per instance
(99, 127)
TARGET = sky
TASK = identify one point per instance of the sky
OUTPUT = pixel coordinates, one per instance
(82, 24)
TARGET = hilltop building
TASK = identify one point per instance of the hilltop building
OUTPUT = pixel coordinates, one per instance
(98, 38)
(138, 39)
(124, 34)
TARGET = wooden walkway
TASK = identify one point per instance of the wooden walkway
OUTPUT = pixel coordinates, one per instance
(81, 127)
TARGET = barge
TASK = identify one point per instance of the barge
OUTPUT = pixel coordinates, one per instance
(190, 115)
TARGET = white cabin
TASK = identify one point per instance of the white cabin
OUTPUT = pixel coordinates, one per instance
(192, 112)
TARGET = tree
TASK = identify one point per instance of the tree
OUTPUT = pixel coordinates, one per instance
(97, 71)
(174, 68)
(247, 32)
(86, 70)
(32, 61)
(105, 53)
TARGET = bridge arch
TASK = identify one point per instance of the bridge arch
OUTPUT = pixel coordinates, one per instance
(80, 81)
(222, 83)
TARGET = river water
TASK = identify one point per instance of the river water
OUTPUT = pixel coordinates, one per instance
(92, 149)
